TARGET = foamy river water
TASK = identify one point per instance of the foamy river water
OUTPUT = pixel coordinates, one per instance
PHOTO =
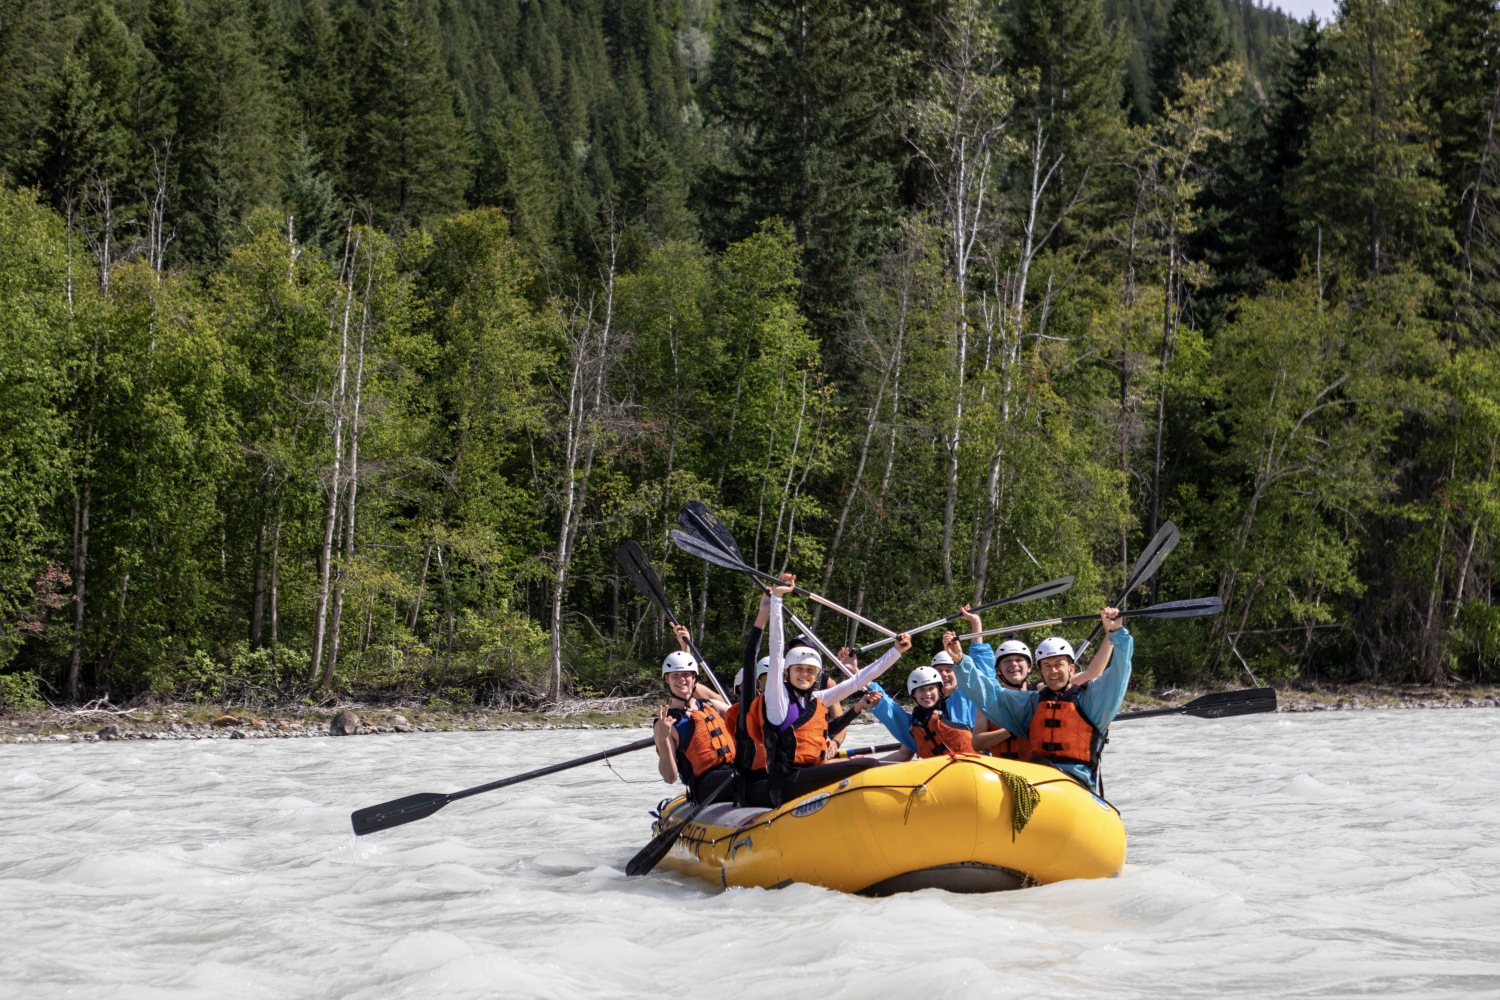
(1320, 855)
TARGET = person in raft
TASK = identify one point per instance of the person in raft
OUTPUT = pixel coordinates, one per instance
(693, 741)
(958, 708)
(1064, 722)
(1013, 663)
(931, 731)
(790, 721)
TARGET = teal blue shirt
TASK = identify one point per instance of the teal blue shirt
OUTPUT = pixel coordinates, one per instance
(1012, 710)
(961, 708)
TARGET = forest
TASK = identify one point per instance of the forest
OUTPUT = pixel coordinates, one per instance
(342, 342)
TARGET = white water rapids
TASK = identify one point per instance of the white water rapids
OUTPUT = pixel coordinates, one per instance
(1318, 855)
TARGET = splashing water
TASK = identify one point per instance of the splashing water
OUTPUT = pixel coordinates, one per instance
(1312, 855)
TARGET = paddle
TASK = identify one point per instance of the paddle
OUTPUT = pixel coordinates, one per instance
(1190, 608)
(1145, 568)
(1216, 706)
(658, 846)
(693, 545)
(697, 520)
(372, 819)
(638, 568)
(1049, 589)
(866, 751)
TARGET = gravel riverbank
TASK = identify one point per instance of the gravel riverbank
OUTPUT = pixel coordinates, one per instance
(102, 722)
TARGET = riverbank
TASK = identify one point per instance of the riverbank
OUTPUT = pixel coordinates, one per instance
(104, 722)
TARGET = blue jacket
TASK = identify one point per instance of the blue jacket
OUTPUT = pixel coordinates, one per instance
(1012, 710)
(961, 708)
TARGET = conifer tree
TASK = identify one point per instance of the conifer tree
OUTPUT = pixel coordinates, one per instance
(1463, 46)
(806, 105)
(1368, 189)
(232, 129)
(319, 86)
(1195, 41)
(411, 160)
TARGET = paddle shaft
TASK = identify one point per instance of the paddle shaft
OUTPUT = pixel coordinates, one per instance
(715, 551)
(410, 808)
(823, 650)
(542, 772)
(866, 751)
(1153, 611)
(1051, 589)
(640, 570)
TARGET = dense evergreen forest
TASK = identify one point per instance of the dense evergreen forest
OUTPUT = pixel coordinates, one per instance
(343, 341)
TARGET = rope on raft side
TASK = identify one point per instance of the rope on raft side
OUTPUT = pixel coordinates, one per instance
(1023, 801)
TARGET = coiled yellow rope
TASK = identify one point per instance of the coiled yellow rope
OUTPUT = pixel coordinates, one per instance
(1023, 801)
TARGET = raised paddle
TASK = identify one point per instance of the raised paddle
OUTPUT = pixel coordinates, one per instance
(658, 846)
(1215, 706)
(1049, 589)
(372, 819)
(1193, 607)
(638, 568)
(710, 553)
(1145, 568)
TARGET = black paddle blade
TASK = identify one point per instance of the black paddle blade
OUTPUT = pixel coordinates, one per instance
(638, 568)
(660, 845)
(371, 819)
(1190, 608)
(1150, 560)
(1215, 706)
(1225, 703)
(699, 520)
(694, 546)
(1049, 589)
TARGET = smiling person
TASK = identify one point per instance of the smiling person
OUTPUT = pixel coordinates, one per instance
(958, 708)
(1013, 669)
(931, 731)
(790, 721)
(1064, 722)
(693, 741)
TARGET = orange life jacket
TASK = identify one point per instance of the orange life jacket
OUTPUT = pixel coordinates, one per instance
(709, 743)
(803, 742)
(1061, 733)
(1015, 747)
(755, 725)
(935, 735)
(731, 718)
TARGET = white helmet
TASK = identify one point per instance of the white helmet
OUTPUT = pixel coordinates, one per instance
(921, 677)
(678, 662)
(798, 655)
(1013, 647)
(941, 657)
(762, 667)
(1055, 646)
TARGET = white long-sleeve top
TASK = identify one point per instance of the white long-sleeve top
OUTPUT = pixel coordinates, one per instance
(777, 703)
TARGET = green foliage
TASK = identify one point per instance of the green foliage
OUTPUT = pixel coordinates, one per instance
(21, 692)
(355, 339)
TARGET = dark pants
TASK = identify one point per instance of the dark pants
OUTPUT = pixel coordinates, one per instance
(713, 785)
(803, 780)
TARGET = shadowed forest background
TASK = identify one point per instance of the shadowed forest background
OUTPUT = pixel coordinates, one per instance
(343, 341)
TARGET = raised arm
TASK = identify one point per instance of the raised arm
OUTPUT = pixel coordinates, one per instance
(867, 674)
(776, 700)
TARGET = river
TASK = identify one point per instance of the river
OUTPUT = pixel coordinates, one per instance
(1317, 855)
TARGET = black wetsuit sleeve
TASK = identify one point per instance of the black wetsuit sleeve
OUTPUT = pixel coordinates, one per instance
(841, 723)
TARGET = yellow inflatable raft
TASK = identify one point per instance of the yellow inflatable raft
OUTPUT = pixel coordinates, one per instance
(966, 824)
